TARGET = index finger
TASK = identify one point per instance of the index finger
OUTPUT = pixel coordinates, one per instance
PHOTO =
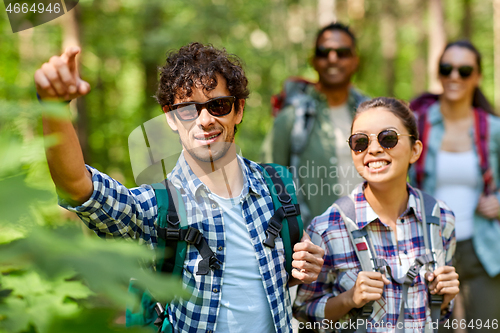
(372, 275)
(308, 246)
(443, 269)
(70, 53)
(305, 237)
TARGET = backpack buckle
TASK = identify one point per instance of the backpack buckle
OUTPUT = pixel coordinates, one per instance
(160, 311)
(193, 236)
(172, 234)
(173, 219)
(273, 230)
(435, 299)
(366, 310)
(285, 200)
(213, 262)
(290, 210)
(413, 271)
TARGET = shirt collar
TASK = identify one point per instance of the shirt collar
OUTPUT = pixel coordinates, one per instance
(183, 177)
(365, 213)
(434, 113)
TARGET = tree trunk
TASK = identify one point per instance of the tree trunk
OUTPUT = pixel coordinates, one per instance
(327, 12)
(496, 22)
(388, 43)
(356, 9)
(151, 22)
(418, 65)
(437, 42)
(467, 20)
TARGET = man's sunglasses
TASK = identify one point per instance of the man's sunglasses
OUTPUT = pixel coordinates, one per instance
(217, 107)
(387, 139)
(464, 71)
(342, 52)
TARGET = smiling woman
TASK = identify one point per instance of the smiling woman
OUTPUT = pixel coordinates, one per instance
(461, 138)
(376, 240)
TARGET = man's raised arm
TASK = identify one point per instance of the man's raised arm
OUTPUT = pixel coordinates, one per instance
(59, 80)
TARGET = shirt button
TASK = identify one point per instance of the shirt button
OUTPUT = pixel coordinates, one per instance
(405, 252)
(215, 290)
(214, 206)
(219, 248)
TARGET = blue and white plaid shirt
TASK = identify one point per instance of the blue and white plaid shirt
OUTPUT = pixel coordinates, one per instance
(116, 211)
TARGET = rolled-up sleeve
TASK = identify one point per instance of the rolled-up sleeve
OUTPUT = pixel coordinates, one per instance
(114, 211)
(311, 298)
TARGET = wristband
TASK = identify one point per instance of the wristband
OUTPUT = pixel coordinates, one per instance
(41, 102)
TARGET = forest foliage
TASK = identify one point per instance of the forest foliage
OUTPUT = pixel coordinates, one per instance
(54, 276)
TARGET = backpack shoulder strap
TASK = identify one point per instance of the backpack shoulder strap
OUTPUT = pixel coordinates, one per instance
(423, 130)
(359, 238)
(168, 217)
(291, 87)
(481, 138)
(286, 220)
(169, 231)
(431, 218)
(363, 249)
(431, 226)
(420, 106)
(147, 311)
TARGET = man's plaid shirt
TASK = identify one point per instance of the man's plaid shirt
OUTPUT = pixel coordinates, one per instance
(116, 211)
(342, 266)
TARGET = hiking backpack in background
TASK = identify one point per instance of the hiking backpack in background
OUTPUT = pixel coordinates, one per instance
(294, 93)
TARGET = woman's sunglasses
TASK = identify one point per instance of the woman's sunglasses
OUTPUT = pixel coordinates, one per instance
(324, 52)
(217, 107)
(387, 139)
(464, 71)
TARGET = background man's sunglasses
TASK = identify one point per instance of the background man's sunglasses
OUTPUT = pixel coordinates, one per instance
(387, 139)
(464, 71)
(217, 107)
(342, 52)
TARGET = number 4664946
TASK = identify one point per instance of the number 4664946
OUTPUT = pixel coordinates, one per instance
(472, 324)
(34, 8)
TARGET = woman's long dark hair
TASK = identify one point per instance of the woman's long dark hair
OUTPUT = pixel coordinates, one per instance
(478, 100)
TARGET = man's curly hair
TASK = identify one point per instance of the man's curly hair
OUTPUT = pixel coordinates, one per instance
(198, 65)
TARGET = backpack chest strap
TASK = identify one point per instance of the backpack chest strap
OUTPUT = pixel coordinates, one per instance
(194, 237)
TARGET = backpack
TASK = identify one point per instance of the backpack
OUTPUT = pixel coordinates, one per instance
(365, 252)
(295, 93)
(174, 234)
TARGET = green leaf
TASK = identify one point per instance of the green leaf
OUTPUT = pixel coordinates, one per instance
(16, 197)
(13, 316)
(106, 266)
(37, 301)
(93, 320)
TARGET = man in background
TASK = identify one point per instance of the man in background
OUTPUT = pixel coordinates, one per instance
(310, 132)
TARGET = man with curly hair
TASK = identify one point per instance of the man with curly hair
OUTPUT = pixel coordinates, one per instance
(202, 91)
